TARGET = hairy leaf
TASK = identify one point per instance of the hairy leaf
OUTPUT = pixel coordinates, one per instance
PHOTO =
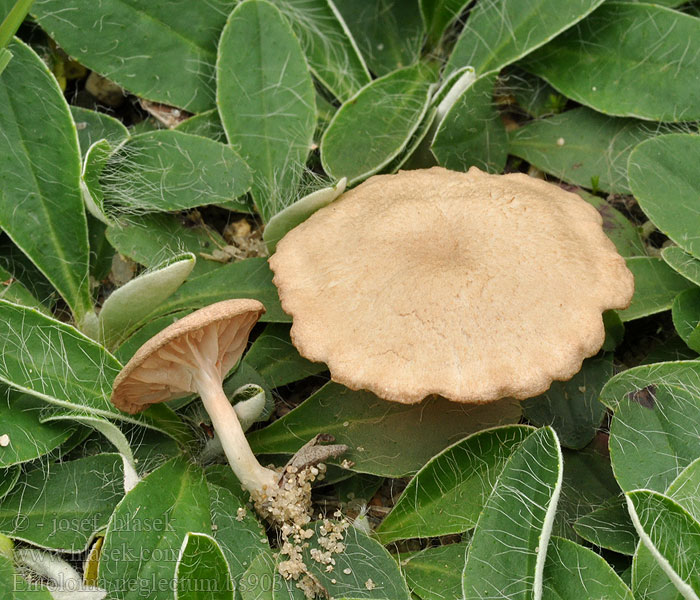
(29, 437)
(148, 527)
(572, 571)
(663, 176)
(169, 170)
(499, 33)
(202, 572)
(509, 546)
(582, 147)
(655, 287)
(372, 128)
(61, 506)
(269, 112)
(448, 493)
(169, 52)
(93, 126)
(612, 59)
(275, 358)
(41, 208)
(333, 56)
(471, 133)
(384, 438)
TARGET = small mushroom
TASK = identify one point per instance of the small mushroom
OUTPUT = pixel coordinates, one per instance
(193, 355)
(468, 285)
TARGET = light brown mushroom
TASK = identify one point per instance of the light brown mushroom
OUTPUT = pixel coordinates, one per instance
(467, 285)
(193, 355)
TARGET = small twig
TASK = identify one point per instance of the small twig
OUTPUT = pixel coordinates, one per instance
(313, 453)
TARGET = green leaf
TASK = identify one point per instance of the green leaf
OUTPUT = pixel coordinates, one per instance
(363, 559)
(686, 317)
(499, 33)
(168, 55)
(669, 3)
(654, 431)
(11, 19)
(110, 431)
(663, 177)
(269, 112)
(61, 506)
(617, 226)
(7, 578)
(685, 488)
(295, 214)
(128, 305)
(30, 438)
(93, 126)
(55, 362)
(609, 526)
(333, 56)
(635, 383)
(581, 146)
(388, 32)
(101, 252)
(358, 489)
(374, 126)
(682, 262)
(384, 438)
(202, 571)
(14, 586)
(572, 407)
(655, 287)
(167, 170)
(671, 349)
(206, 124)
(588, 483)
(8, 479)
(275, 358)
(438, 15)
(507, 555)
(5, 58)
(249, 278)
(41, 174)
(613, 58)
(471, 133)
(151, 239)
(614, 330)
(649, 579)
(241, 538)
(436, 573)
(262, 581)
(149, 525)
(151, 449)
(572, 571)
(94, 164)
(416, 154)
(448, 493)
(15, 291)
(25, 271)
(671, 535)
(533, 95)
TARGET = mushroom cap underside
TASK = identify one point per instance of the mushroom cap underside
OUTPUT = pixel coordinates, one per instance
(162, 369)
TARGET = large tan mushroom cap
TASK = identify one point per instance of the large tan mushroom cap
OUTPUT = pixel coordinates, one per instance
(162, 369)
(468, 285)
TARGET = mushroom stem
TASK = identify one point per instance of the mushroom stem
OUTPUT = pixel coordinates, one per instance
(252, 475)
